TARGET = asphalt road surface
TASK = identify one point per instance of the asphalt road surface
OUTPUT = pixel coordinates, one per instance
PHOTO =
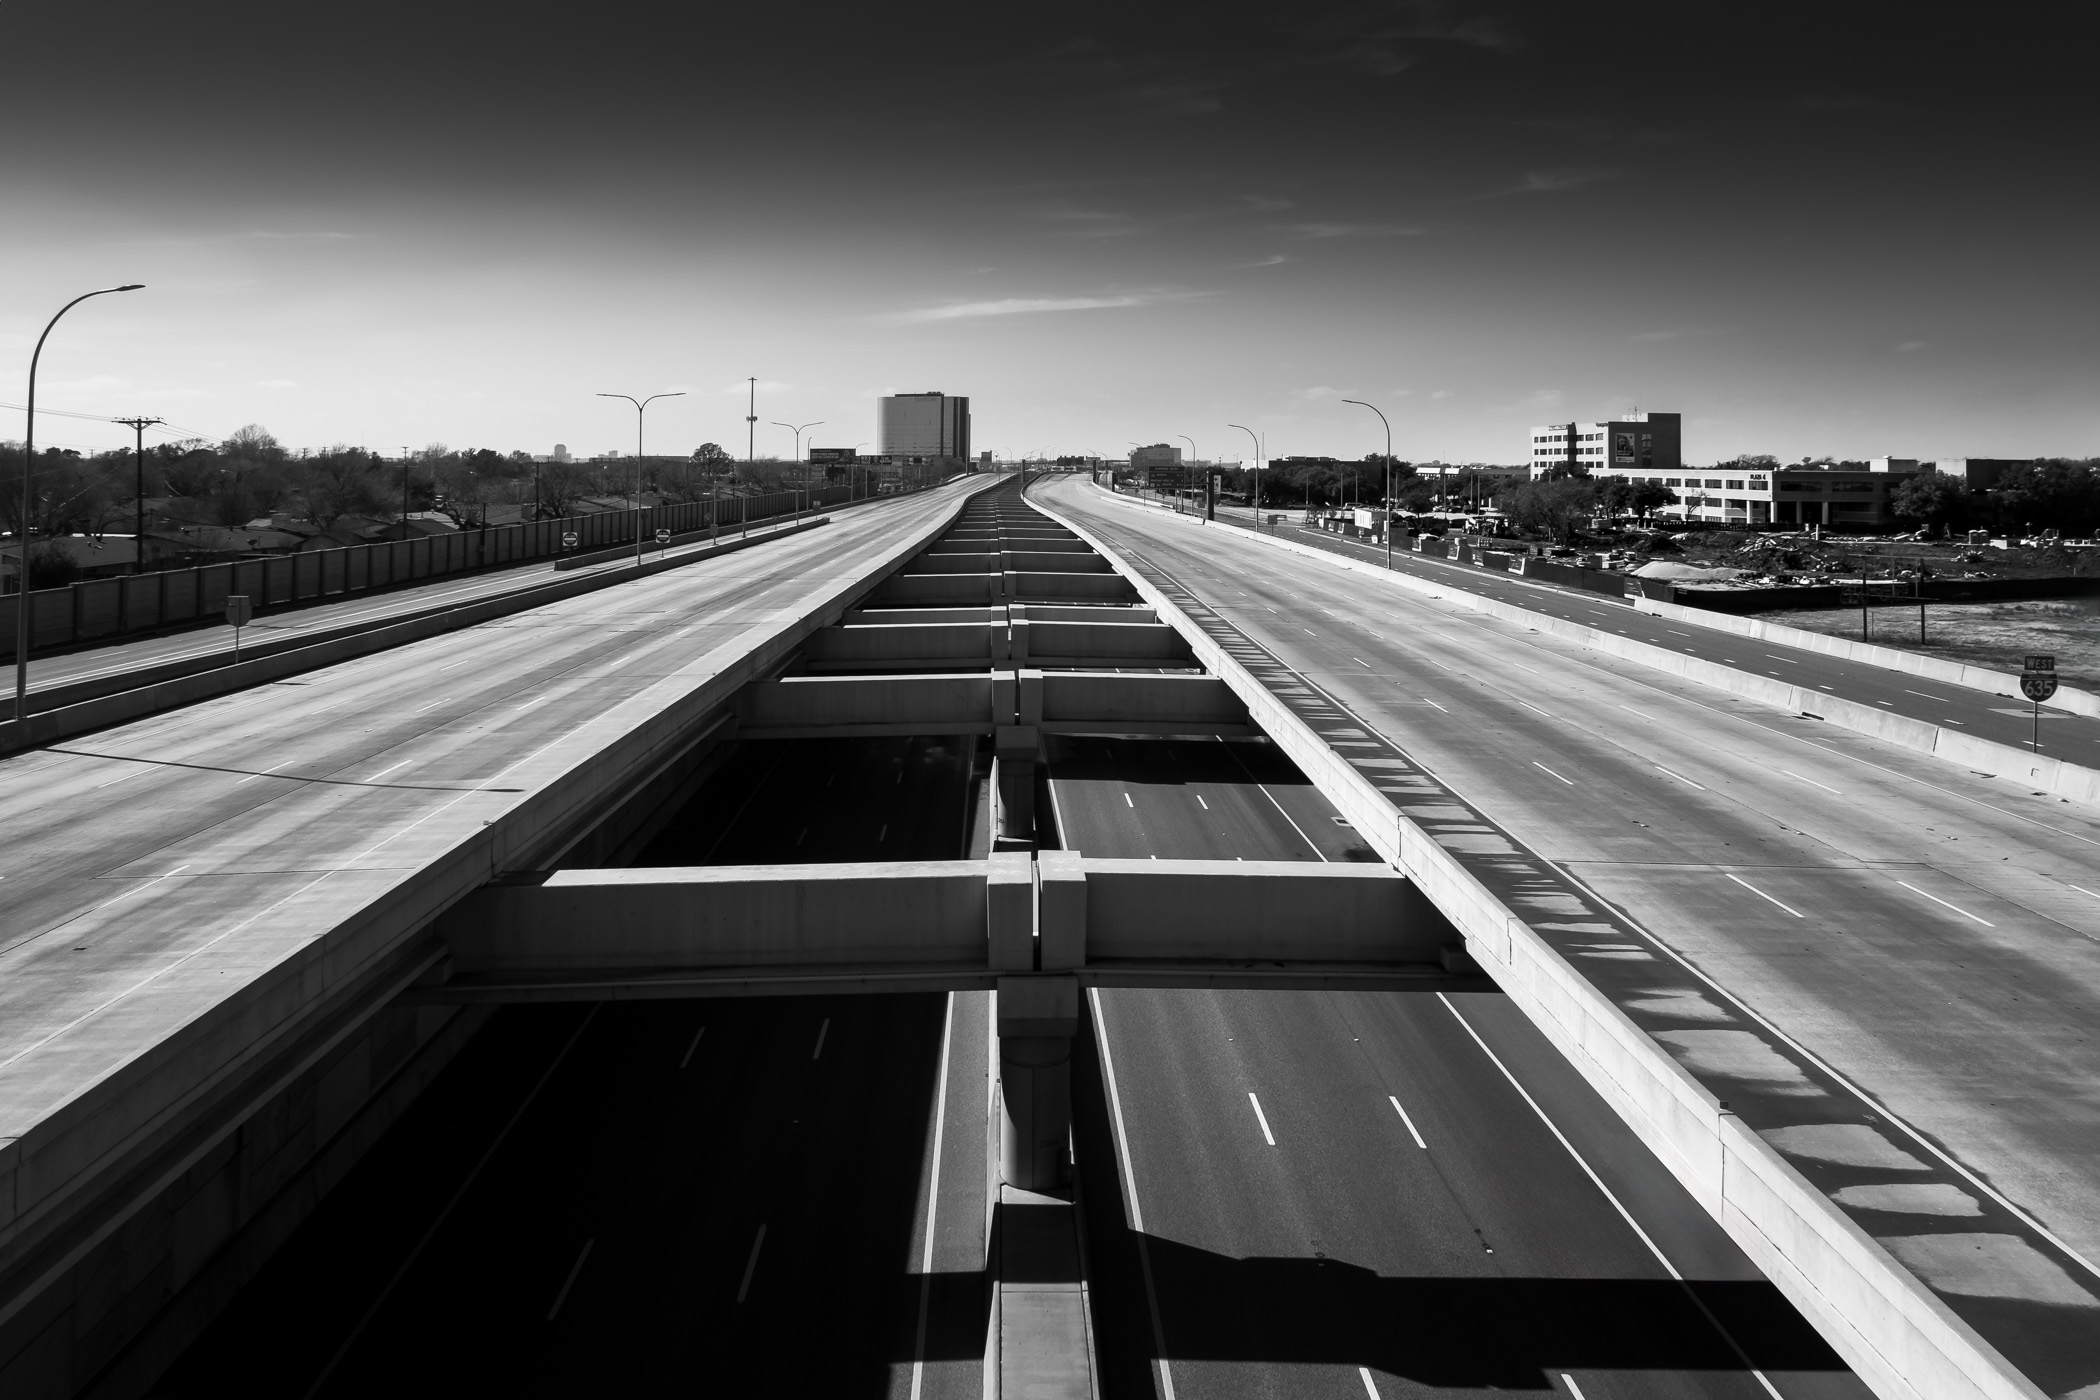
(1322, 1193)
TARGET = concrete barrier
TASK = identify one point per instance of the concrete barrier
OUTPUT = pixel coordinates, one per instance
(1077, 701)
(1901, 1339)
(1165, 910)
(948, 703)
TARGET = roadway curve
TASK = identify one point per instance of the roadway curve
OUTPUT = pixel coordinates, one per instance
(1931, 935)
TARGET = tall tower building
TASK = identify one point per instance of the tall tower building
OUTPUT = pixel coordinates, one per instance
(924, 425)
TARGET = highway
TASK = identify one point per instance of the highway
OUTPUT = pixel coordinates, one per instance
(190, 865)
(1925, 939)
(289, 622)
(1347, 1192)
(2004, 719)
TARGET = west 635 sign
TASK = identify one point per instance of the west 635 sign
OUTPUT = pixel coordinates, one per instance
(2038, 681)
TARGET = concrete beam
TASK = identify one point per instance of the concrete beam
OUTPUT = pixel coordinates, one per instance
(1061, 702)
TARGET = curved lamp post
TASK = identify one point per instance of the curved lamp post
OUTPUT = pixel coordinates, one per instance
(1388, 477)
(22, 621)
(1251, 438)
(639, 405)
(797, 431)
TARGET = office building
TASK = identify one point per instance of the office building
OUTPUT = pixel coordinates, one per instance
(1839, 497)
(924, 428)
(1636, 442)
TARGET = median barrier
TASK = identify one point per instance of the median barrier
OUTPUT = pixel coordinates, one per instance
(1901, 1339)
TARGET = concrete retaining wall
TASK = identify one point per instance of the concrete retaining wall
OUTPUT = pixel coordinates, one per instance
(1900, 1339)
(1257, 909)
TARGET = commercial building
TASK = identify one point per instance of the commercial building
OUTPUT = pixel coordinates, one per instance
(1637, 442)
(1842, 497)
(928, 428)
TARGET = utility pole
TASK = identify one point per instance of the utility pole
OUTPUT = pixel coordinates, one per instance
(138, 427)
(404, 490)
(751, 424)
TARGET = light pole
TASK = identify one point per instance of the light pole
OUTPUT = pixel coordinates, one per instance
(1388, 477)
(22, 623)
(1193, 463)
(1256, 442)
(799, 469)
(860, 471)
(639, 405)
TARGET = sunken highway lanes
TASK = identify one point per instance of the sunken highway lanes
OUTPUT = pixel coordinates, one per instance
(1352, 1192)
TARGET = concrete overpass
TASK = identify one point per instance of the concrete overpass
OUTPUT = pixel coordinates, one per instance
(149, 1063)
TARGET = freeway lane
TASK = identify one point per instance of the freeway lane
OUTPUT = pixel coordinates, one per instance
(157, 874)
(1345, 1191)
(2003, 719)
(1891, 914)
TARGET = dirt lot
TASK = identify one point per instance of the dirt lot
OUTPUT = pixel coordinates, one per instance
(1796, 559)
(1997, 635)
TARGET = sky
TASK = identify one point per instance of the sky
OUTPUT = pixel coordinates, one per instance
(1831, 228)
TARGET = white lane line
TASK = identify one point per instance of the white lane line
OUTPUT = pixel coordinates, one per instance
(1609, 1195)
(1433, 704)
(1308, 631)
(267, 771)
(530, 703)
(1130, 1191)
(1522, 667)
(1408, 1121)
(2080, 888)
(1678, 776)
(691, 1048)
(933, 1200)
(386, 770)
(1941, 698)
(1674, 630)
(1574, 1390)
(1201, 803)
(1261, 1118)
(431, 706)
(570, 1282)
(1550, 773)
(1127, 802)
(1536, 710)
(1361, 662)
(1787, 659)
(1955, 907)
(1810, 781)
(1370, 1386)
(401, 1272)
(1632, 711)
(1767, 898)
(131, 771)
(822, 1031)
(751, 1266)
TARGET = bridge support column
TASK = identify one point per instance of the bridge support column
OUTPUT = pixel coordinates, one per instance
(1013, 786)
(1038, 1018)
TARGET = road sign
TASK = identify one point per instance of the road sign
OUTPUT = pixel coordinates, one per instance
(2038, 685)
(663, 537)
(2041, 663)
(239, 610)
(568, 539)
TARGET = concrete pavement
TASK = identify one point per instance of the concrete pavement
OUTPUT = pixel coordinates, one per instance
(1689, 817)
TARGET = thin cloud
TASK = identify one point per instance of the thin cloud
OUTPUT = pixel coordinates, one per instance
(1558, 181)
(1910, 345)
(1031, 306)
(1346, 230)
(1273, 260)
(1318, 393)
(1262, 204)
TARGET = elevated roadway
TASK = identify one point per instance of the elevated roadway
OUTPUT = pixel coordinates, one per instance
(1888, 965)
(205, 903)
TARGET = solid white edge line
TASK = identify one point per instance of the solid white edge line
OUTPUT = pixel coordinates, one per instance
(1261, 1118)
(1955, 907)
(1370, 1386)
(933, 1200)
(1762, 895)
(1130, 1195)
(1433, 704)
(1395, 1102)
(1550, 773)
(1678, 776)
(1811, 782)
(1609, 1195)
(1574, 1390)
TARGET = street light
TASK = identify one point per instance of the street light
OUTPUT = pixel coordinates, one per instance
(1256, 443)
(797, 431)
(1388, 477)
(22, 625)
(639, 405)
(1193, 455)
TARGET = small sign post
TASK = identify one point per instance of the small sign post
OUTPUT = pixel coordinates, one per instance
(238, 612)
(663, 539)
(568, 539)
(2038, 683)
